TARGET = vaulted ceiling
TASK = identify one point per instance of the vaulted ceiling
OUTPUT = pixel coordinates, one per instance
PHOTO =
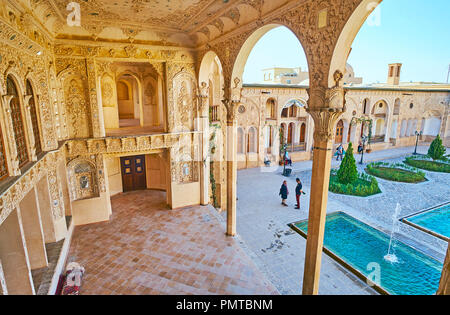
(177, 22)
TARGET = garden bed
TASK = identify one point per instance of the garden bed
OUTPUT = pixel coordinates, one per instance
(428, 165)
(364, 186)
(396, 172)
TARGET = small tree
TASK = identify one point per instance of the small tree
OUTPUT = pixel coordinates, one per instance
(436, 150)
(347, 172)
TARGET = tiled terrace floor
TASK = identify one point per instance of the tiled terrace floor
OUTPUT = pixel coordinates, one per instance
(147, 249)
(131, 127)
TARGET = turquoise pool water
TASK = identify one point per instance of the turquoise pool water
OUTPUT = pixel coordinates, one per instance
(436, 220)
(360, 245)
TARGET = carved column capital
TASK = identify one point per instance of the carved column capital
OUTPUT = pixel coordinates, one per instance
(231, 106)
(203, 100)
(324, 121)
(326, 106)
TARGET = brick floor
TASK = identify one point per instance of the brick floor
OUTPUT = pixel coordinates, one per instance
(147, 249)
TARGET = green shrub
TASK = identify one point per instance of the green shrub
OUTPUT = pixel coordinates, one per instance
(347, 172)
(363, 186)
(398, 172)
(429, 165)
(436, 150)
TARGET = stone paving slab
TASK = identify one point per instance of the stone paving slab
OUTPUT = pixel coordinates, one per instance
(280, 252)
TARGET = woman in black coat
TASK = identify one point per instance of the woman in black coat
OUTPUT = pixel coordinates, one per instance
(284, 193)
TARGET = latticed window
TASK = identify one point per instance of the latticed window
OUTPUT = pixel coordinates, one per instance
(34, 119)
(17, 120)
(3, 167)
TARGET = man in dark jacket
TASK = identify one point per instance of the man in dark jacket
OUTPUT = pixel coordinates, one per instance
(284, 193)
(298, 192)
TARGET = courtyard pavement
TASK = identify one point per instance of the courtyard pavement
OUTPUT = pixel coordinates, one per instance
(280, 253)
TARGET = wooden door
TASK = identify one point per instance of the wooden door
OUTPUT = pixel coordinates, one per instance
(339, 131)
(290, 131)
(302, 133)
(133, 173)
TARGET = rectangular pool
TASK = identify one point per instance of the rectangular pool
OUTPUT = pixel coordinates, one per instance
(360, 247)
(435, 221)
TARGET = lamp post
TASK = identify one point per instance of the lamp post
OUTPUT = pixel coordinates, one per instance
(363, 139)
(418, 134)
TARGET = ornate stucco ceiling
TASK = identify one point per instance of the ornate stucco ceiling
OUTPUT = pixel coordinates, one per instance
(179, 22)
(170, 14)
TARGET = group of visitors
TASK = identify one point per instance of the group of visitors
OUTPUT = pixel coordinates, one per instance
(287, 159)
(284, 192)
(340, 151)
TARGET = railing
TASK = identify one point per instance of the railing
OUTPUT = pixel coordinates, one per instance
(214, 113)
(377, 139)
(296, 147)
(14, 189)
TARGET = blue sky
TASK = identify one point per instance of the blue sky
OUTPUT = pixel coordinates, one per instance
(413, 32)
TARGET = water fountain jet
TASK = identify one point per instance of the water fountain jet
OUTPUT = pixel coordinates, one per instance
(391, 257)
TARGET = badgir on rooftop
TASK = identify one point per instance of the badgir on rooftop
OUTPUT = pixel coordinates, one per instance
(135, 160)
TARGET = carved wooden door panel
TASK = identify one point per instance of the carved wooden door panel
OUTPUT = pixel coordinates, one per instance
(133, 173)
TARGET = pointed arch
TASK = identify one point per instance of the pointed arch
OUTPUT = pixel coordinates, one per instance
(347, 36)
(247, 47)
(17, 118)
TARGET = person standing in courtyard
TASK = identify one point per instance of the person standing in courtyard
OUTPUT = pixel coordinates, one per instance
(298, 192)
(340, 152)
(284, 192)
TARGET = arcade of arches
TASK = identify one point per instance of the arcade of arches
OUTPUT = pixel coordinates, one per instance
(90, 111)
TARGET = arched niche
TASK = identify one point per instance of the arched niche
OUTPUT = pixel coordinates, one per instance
(83, 179)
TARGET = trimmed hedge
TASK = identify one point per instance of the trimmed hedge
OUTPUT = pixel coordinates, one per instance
(397, 172)
(429, 165)
(363, 186)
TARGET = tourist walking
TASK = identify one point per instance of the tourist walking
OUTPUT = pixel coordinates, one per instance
(284, 192)
(360, 148)
(298, 192)
(339, 152)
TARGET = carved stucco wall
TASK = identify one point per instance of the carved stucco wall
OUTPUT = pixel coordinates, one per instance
(182, 96)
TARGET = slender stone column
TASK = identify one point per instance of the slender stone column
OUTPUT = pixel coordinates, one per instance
(13, 159)
(98, 127)
(14, 258)
(325, 119)
(203, 126)
(444, 285)
(231, 165)
(29, 127)
(3, 289)
(32, 229)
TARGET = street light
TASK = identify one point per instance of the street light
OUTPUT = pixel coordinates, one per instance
(284, 159)
(363, 139)
(418, 134)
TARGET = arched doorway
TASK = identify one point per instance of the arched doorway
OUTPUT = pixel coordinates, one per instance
(290, 135)
(339, 131)
(302, 133)
(17, 122)
(128, 101)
